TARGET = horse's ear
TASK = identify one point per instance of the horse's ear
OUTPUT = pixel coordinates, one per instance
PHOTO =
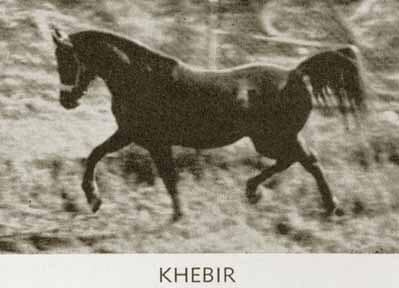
(60, 39)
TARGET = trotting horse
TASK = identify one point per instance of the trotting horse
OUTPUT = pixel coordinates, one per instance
(159, 101)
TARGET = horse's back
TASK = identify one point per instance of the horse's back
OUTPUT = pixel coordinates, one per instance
(212, 108)
(228, 87)
(257, 74)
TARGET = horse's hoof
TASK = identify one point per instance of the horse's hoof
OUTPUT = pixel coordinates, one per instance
(254, 198)
(90, 189)
(95, 204)
(176, 217)
(335, 211)
(339, 212)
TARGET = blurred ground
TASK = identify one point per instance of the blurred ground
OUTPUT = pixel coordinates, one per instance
(43, 147)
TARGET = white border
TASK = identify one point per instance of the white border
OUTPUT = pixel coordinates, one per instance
(251, 270)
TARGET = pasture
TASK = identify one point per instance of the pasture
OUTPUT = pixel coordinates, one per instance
(43, 147)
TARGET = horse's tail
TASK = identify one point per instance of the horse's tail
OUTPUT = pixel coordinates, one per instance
(336, 79)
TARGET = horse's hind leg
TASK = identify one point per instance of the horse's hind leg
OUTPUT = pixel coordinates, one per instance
(117, 141)
(254, 182)
(163, 159)
(295, 150)
(310, 162)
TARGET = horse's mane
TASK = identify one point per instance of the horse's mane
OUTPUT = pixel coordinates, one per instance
(131, 47)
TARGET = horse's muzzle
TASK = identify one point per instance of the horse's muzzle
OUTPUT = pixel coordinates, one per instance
(68, 102)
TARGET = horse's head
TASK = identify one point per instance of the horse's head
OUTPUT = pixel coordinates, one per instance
(74, 75)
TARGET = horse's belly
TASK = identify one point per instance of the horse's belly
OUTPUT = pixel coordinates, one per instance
(198, 121)
(210, 128)
(208, 138)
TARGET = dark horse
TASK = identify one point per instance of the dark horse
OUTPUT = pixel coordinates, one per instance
(158, 102)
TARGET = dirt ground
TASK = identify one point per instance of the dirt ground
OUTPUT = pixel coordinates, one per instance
(43, 147)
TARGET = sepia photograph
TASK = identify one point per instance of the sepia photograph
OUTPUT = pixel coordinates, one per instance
(199, 126)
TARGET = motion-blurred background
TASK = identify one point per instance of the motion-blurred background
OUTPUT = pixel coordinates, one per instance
(43, 147)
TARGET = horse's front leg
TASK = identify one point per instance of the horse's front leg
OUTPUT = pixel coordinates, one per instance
(163, 159)
(117, 141)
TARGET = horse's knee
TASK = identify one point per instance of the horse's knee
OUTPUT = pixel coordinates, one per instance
(96, 154)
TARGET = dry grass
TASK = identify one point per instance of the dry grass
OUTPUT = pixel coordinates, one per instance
(43, 147)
